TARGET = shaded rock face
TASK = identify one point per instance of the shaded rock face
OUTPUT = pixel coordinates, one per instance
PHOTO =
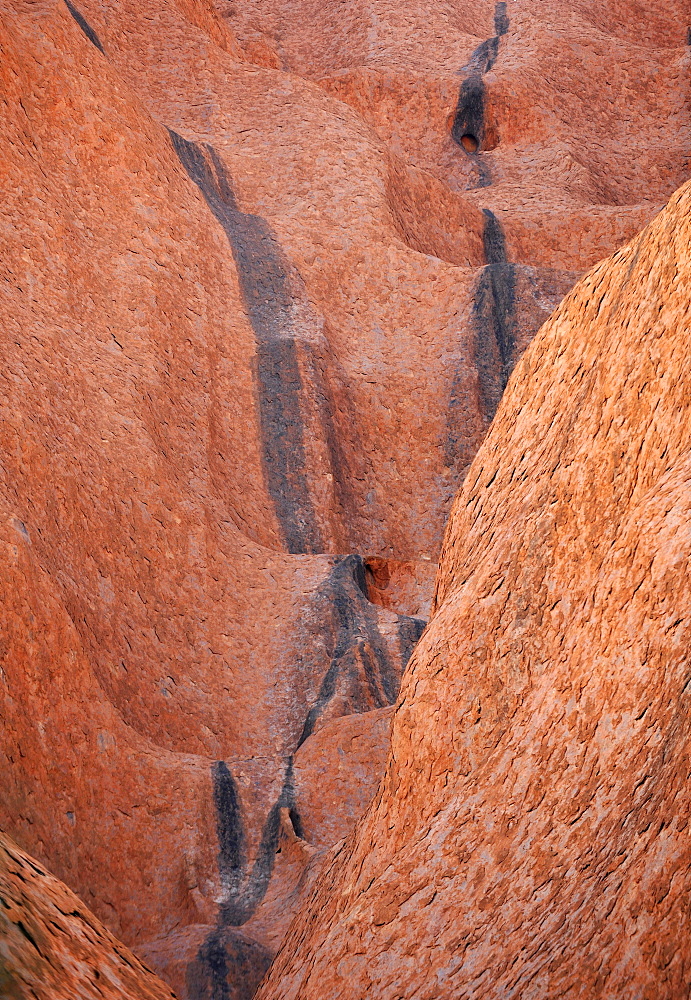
(52, 947)
(530, 837)
(260, 303)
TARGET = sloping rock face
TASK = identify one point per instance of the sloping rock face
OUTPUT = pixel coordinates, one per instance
(531, 835)
(52, 947)
(266, 269)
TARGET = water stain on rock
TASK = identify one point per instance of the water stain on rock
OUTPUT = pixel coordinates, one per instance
(266, 278)
(84, 25)
(470, 129)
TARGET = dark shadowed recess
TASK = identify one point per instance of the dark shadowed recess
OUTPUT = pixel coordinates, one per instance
(84, 25)
(469, 120)
(468, 129)
(228, 966)
(265, 280)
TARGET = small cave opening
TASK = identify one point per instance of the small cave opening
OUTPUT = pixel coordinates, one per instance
(469, 143)
(400, 585)
(377, 578)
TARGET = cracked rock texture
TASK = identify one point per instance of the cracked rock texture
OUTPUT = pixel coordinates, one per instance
(265, 270)
(52, 947)
(530, 837)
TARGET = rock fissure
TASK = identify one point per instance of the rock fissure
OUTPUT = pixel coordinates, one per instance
(469, 129)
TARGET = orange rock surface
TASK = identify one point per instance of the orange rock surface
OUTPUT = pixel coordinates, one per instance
(530, 837)
(52, 947)
(260, 299)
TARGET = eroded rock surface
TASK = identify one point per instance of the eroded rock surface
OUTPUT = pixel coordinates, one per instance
(52, 947)
(531, 835)
(259, 306)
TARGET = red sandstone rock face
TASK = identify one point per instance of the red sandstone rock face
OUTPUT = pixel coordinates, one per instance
(531, 835)
(52, 947)
(259, 308)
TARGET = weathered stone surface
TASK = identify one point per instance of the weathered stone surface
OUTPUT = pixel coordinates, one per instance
(52, 947)
(336, 774)
(531, 835)
(258, 309)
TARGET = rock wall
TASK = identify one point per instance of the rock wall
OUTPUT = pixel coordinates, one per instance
(52, 947)
(266, 269)
(530, 837)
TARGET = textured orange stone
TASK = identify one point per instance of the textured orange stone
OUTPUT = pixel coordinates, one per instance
(52, 947)
(258, 310)
(531, 834)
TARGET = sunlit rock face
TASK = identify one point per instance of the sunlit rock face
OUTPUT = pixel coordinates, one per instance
(266, 271)
(52, 947)
(530, 836)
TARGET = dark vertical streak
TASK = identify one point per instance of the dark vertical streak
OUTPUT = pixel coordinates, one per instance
(494, 327)
(362, 667)
(494, 324)
(501, 20)
(469, 119)
(494, 306)
(224, 953)
(84, 25)
(470, 111)
(493, 240)
(244, 887)
(208, 977)
(358, 645)
(494, 317)
(231, 835)
(227, 967)
(265, 280)
(483, 57)
(331, 397)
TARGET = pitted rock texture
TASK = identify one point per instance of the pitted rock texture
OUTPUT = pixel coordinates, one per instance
(52, 947)
(259, 307)
(530, 837)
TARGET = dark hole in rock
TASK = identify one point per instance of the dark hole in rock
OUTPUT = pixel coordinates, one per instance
(469, 143)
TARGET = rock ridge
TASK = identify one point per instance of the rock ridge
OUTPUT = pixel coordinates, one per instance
(530, 836)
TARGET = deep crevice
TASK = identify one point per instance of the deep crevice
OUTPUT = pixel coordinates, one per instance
(29, 936)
